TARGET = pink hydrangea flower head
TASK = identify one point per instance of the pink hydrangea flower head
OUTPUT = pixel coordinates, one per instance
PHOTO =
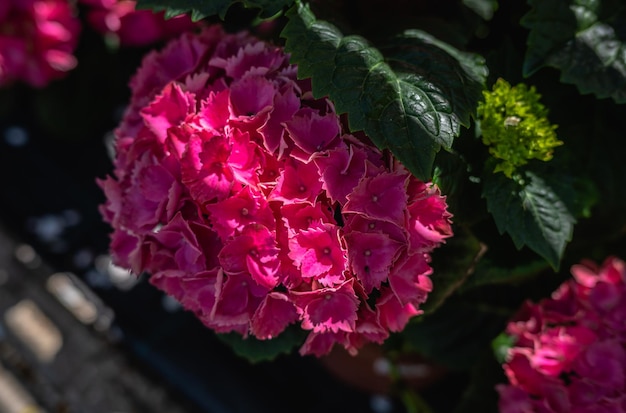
(37, 41)
(247, 200)
(570, 349)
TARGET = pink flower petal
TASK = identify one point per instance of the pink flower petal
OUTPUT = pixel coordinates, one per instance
(205, 170)
(273, 316)
(341, 169)
(317, 253)
(371, 256)
(253, 252)
(328, 309)
(231, 215)
(312, 132)
(381, 197)
(299, 183)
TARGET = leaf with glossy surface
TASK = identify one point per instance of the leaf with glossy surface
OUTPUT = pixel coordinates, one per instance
(199, 9)
(412, 102)
(584, 39)
(533, 213)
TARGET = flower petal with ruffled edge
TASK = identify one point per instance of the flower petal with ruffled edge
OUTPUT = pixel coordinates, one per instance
(273, 315)
(328, 309)
(237, 301)
(245, 158)
(371, 256)
(299, 216)
(286, 104)
(341, 169)
(253, 252)
(428, 220)
(299, 183)
(409, 279)
(204, 168)
(251, 100)
(231, 215)
(380, 197)
(312, 132)
(392, 314)
(168, 109)
(317, 253)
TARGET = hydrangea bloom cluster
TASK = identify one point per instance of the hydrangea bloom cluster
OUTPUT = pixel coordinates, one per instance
(570, 350)
(37, 40)
(131, 27)
(244, 198)
(515, 127)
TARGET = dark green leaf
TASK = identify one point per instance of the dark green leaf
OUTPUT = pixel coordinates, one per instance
(484, 8)
(200, 9)
(264, 350)
(456, 334)
(584, 39)
(411, 103)
(532, 212)
(487, 272)
(452, 263)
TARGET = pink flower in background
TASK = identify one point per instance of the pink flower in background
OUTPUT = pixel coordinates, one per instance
(246, 200)
(133, 27)
(570, 349)
(37, 41)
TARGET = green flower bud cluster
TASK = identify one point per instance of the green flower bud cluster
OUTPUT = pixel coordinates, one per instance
(515, 126)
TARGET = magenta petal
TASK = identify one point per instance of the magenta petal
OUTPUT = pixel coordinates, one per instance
(273, 316)
(199, 291)
(429, 220)
(341, 170)
(253, 252)
(380, 197)
(312, 132)
(302, 216)
(328, 309)
(299, 183)
(204, 169)
(251, 96)
(360, 223)
(371, 256)
(409, 279)
(231, 215)
(214, 112)
(320, 344)
(234, 302)
(603, 364)
(317, 252)
(168, 109)
(244, 159)
(286, 104)
(392, 314)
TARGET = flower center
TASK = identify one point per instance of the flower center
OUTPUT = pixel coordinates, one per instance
(367, 253)
(375, 198)
(244, 211)
(326, 250)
